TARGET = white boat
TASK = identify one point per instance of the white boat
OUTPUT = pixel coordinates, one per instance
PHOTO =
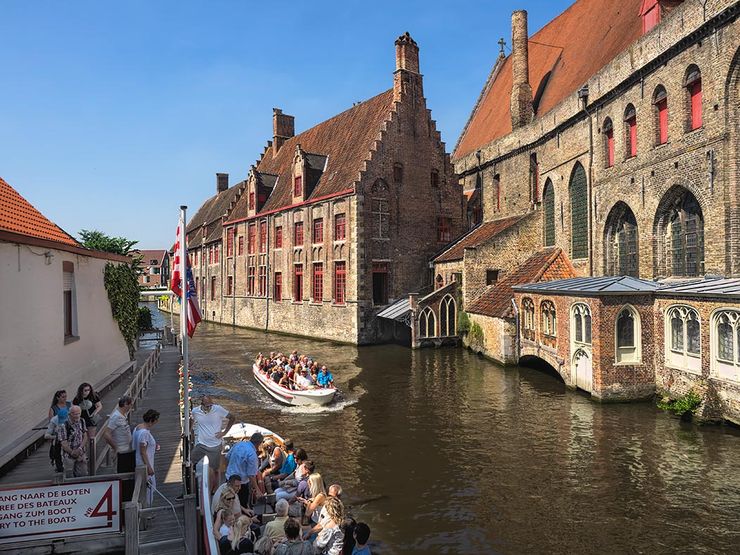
(294, 397)
(244, 430)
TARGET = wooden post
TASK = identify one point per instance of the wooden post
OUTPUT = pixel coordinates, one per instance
(92, 457)
(191, 522)
(141, 479)
(131, 509)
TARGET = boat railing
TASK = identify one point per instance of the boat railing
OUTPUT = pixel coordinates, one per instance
(98, 449)
(206, 512)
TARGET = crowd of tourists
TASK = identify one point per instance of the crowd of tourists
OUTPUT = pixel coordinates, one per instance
(294, 371)
(300, 515)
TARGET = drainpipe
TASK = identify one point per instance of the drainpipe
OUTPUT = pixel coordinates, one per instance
(267, 276)
(517, 346)
(583, 96)
(234, 251)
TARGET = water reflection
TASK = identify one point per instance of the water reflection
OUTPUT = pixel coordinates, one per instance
(444, 452)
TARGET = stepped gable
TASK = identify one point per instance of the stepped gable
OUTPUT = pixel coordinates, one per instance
(17, 215)
(211, 214)
(346, 140)
(547, 265)
(479, 235)
(571, 49)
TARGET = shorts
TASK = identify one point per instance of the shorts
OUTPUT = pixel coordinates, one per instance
(214, 455)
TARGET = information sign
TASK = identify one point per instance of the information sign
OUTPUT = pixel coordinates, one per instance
(60, 510)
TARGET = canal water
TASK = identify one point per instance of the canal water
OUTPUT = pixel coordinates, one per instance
(441, 451)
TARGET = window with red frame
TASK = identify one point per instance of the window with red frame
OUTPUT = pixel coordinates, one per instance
(213, 288)
(693, 86)
(279, 237)
(297, 186)
(609, 142)
(229, 285)
(262, 281)
(318, 230)
(340, 282)
(340, 227)
(251, 230)
(251, 200)
(660, 100)
(263, 236)
(230, 242)
(318, 282)
(216, 253)
(298, 282)
(210, 254)
(250, 280)
(444, 230)
(277, 294)
(298, 234)
(630, 128)
(240, 247)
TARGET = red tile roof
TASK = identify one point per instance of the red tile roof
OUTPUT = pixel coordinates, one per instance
(479, 235)
(211, 214)
(346, 139)
(148, 255)
(571, 48)
(17, 215)
(546, 265)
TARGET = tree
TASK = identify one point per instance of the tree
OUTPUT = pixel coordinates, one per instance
(99, 241)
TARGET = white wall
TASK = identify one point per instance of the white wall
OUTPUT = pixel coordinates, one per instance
(34, 360)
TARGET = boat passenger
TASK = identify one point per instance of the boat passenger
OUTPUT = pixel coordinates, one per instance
(228, 489)
(361, 535)
(335, 490)
(325, 378)
(277, 374)
(330, 539)
(292, 544)
(317, 498)
(296, 485)
(275, 461)
(264, 546)
(348, 530)
(275, 528)
(289, 464)
(304, 381)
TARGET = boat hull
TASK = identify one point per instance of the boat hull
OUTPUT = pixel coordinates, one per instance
(292, 397)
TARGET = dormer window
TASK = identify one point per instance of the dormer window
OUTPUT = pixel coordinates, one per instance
(297, 186)
(650, 13)
(251, 200)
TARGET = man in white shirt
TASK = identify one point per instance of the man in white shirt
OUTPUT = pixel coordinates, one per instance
(208, 420)
(117, 434)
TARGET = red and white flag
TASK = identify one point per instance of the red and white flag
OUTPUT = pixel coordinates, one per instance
(192, 313)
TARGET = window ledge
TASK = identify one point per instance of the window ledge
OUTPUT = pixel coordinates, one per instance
(629, 363)
(339, 305)
(662, 145)
(692, 131)
(71, 339)
(683, 369)
(296, 302)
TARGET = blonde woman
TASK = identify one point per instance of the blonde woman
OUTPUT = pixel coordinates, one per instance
(318, 497)
(331, 538)
(242, 538)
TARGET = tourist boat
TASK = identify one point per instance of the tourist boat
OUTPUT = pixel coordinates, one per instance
(294, 397)
(244, 430)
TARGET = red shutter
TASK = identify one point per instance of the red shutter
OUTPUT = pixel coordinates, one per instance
(298, 234)
(696, 108)
(662, 122)
(340, 282)
(298, 186)
(250, 238)
(318, 282)
(263, 236)
(318, 230)
(279, 237)
(250, 280)
(298, 283)
(278, 294)
(241, 245)
(339, 227)
(632, 124)
(251, 200)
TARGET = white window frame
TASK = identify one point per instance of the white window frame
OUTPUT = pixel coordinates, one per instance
(682, 360)
(549, 318)
(451, 330)
(583, 310)
(629, 355)
(723, 369)
(529, 313)
(426, 318)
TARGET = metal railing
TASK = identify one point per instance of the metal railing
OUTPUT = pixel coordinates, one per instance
(98, 449)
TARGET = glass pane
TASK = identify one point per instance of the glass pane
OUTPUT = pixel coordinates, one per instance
(677, 333)
(579, 328)
(579, 213)
(587, 325)
(692, 336)
(626, 330)
(724, 338)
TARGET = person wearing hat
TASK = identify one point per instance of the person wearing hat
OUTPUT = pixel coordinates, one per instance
(243, 461)
(55, 451)
(304, 381)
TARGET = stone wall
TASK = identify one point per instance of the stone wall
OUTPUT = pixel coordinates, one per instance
(499, 339)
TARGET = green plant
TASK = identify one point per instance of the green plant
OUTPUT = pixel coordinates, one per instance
(476, 334)
(686, 404)
(122, 286)
(463, 323)
(145, 319)
(99, 241)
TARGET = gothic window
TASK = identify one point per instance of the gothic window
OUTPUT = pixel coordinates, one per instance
(534, 178)
(683, 339)
(528, 318)
(549, 322)
(694, 98)
(630, 131)
(579, 212)
(581, 324)
(497, 192)
(628, 335)
(548, 202)
(608, 142)
(427, 323)
(660, 101)
(726, 345)
(447, 317)
(620, 241)
(680, 231)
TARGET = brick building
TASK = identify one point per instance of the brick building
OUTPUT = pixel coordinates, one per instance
(155, 268)
(320, 236)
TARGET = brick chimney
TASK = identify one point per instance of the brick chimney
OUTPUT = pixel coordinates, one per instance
(406, 78)
(283, 128)
(222, 182)
(522, 111)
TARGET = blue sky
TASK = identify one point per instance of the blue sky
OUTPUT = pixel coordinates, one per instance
(115, 113)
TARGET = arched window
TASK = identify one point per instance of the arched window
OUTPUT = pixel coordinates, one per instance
(497, 192)
(630, 131)
(534, 179)
(439, 281)
(528, 318)
(447, 317)
(680, 234)
(694, 98)
(608, 131)
(660, 101)
(726, 345)
(427, 323)
(548, 202)
(627, 330)
(683, 338)
(620, 242)
(581, 324)
(549, 322)
(579, 212)
(380, 210)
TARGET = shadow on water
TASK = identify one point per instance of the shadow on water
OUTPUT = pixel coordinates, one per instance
(441, 451)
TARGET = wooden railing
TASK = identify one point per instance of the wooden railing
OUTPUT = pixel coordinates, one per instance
(98, 449)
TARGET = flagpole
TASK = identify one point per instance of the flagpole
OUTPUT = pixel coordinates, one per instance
(184, 338)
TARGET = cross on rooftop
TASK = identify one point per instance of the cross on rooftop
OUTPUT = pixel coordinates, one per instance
(502, 44)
